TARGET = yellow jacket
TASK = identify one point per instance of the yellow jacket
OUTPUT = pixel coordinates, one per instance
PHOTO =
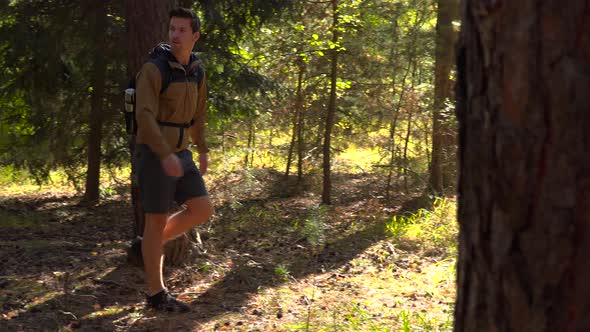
(182, 102)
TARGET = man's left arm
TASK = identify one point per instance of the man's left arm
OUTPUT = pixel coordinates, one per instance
(197, 131)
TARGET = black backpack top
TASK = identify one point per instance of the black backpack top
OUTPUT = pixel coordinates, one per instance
(160, 56)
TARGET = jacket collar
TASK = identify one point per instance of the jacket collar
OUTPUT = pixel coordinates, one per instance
(164, 51)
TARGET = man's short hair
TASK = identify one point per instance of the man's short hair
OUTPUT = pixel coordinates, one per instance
(187, 13)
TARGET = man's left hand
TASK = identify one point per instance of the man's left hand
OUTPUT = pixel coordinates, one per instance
(203, 163)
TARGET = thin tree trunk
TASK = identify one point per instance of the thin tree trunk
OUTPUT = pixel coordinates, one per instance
(300, 122)
(291, 145)
(427, 144)
(300, 143)
(296, 134)
(441, 129)
(222, 141)
(97, 104)
(409, 129)
(393, 56)
(248, 160)
(330, 118)
(405, 155)
(524, 186)
(393, 127)
(253, 145)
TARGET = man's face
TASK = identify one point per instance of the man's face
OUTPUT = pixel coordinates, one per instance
(180, 34)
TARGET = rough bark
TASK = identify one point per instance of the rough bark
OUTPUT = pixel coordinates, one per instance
(330, 118)
(96, 104)
(524, 186)
(147, 25)
(443, 163)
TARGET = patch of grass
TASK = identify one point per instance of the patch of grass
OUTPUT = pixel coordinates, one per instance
(313, 226)
(15, 181)
(281, 272)
(10, 175)
(104, 312)
(436, 228)
(204, 267)
(409, 322)
(13, 221)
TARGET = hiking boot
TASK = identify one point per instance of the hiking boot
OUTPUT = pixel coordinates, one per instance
(164, 301)
(134, 254)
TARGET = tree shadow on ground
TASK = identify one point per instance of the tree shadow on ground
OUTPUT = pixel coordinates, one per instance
(254, 268)
(256, 235)
(91, 301)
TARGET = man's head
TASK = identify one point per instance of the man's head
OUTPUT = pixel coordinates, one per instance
(184, 30)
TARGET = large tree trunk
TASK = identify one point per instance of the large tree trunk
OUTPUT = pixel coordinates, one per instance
(442, 165)
(524, 186)
(147, 25)
(330, 118)
(97, 104)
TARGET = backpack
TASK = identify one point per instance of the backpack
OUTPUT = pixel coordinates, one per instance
(161, 62)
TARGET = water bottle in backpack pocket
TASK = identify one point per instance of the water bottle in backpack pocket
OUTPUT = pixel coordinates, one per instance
(130, 125)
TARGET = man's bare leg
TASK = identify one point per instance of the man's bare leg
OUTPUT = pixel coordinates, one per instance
(159, 229)
(197, 211)
(152, 251)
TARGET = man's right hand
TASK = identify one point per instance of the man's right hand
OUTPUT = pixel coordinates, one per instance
(171, 165)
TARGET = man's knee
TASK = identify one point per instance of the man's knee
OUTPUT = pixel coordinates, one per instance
(155, 222)
(201, 206)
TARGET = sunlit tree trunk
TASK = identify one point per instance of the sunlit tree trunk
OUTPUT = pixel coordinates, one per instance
(97, 103)
(412, 104)
(291, 146)
(405, 154)
(443, 163)
(249, 159)
(297, 133)
(393, 61)
(330, 118)
(393, 128)
(300, 122)
(524, 185)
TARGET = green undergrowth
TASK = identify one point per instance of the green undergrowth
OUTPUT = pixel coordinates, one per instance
(434, 229)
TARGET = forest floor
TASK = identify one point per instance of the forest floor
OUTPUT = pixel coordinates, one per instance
(273, 261)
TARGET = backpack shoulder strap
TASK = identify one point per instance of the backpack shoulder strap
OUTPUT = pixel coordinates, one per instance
(200, 73)
(164, 68)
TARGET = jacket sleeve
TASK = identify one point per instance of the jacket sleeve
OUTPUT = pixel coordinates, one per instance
(148, 84)
(197, 131)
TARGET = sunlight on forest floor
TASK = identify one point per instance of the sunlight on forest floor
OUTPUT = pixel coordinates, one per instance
(274, 260)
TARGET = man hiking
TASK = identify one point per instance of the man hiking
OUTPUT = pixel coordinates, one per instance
(170, 106)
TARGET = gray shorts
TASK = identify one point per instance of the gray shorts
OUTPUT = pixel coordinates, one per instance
(158, 190)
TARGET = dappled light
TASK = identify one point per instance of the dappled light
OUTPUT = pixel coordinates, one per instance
(322, 133)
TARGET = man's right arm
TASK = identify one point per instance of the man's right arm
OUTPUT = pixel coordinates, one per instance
(148, 84)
